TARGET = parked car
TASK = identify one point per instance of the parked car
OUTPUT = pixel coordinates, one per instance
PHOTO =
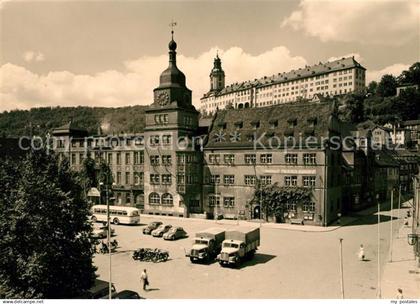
(162, 229)
(175, 233)
(152, 226)
(100, 290)
(126, 294)
(100, 232)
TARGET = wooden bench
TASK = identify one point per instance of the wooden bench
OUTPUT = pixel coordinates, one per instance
(296, 221)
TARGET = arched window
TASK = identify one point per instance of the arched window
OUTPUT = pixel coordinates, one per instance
(247, 105)
(240, 106)
(167, 199)
(154, 198)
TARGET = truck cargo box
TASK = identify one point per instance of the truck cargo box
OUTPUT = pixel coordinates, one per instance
(243, 234)
(212, 233)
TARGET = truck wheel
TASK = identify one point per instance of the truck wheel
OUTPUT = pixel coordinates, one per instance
(94, 219)
(192, 260)
(116, 221)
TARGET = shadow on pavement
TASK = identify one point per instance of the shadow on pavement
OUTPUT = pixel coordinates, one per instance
(259, 258)
(370, 219)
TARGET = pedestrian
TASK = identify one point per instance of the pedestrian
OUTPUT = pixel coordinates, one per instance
(145, 279)
(361, 253)
(399, 294)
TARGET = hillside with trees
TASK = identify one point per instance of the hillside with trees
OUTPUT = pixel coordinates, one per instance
(380, 103)
(39, 121)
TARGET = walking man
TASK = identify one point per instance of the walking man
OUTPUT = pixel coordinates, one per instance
(400, 294)
(144, 279)
(361, 253)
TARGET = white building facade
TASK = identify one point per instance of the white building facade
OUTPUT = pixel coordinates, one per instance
(338, 77)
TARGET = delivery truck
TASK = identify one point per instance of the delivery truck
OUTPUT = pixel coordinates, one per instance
(239, 244)
(207, 244)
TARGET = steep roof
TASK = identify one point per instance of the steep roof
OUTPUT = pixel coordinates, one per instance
(385, 158)
(308, 71)
(69, 128)
(236, 127)
(411, 122)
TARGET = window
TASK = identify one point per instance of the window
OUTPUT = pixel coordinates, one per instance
(127, 178)
(166, 179)
(291, 158)
(138, 178)
(274, 124)
(250, 159)
(109, 158)
(82, 156)
(154, 179)
(167, 199)
(250, 180)
(154, 160)
(214, 158)
(119, 178)
(214, 200)
(181, 178)
(154, 198)
(266, 158)
(166, 139)
(228, 179)
(118, 158)
(229, 159)
(166, 160)
(127, 158)
(309, 206)
(161, 119)
(290, 181)
(265, 179)
(180, 158)
(229, 202)
(73, 158)
(309, 158)
(215, 179)
(255, 124)
(154, 140)
(309, 181)
(138, 157)
(290, 206)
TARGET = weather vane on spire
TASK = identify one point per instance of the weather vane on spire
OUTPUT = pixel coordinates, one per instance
(172, 25)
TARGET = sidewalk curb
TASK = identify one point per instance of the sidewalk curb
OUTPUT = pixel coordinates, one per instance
(281, 226)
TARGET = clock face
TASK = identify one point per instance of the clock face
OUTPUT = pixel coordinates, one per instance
(162, 97)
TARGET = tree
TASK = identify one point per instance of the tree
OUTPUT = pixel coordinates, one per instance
(387, 86)
(104, 178)
(353, 110)
(45, 236)
(372, 86)
(410, 76)
(273, 199)
(89, 173)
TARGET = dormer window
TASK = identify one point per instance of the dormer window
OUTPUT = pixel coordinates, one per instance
(250, 137)
(274, 123)
(222, 125)
(239, 125)
(292, 122)
(312, 121)
(255, 124)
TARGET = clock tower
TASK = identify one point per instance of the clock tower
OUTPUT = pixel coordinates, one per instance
(172, 170)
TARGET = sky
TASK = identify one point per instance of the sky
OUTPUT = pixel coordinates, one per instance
(111, 53)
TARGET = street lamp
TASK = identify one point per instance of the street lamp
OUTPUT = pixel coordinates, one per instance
(108, 238)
